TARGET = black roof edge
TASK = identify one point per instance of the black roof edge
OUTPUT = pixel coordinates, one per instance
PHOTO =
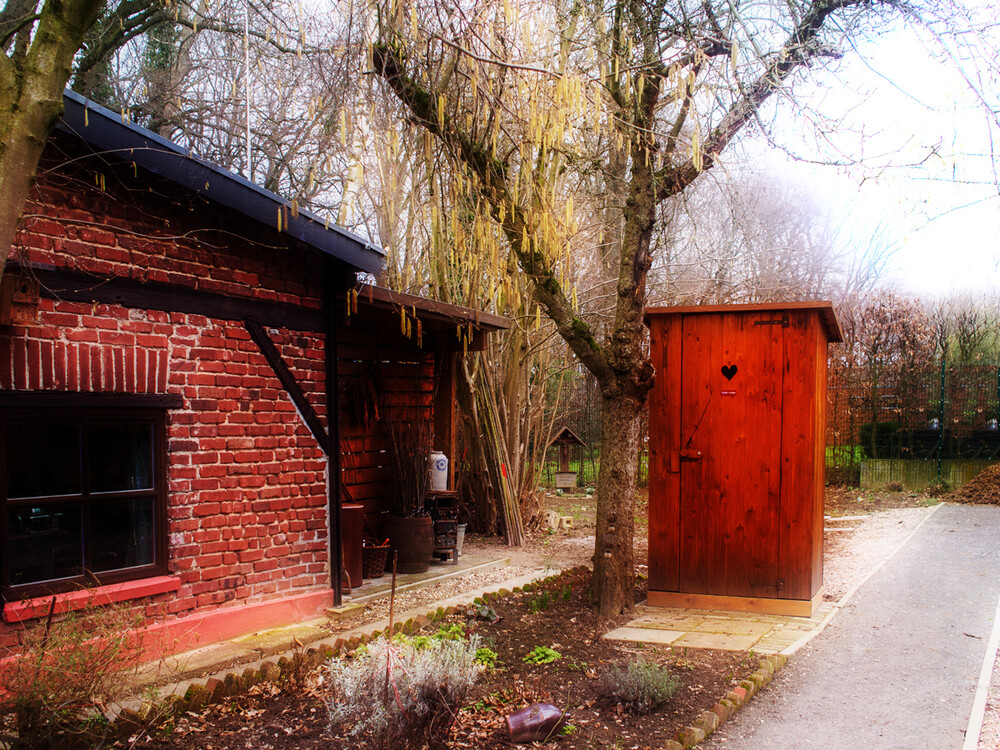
(113, 135)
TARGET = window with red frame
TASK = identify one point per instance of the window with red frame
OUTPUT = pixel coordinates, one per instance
(83, 497)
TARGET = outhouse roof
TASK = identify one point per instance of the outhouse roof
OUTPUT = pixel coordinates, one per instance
(825, 309)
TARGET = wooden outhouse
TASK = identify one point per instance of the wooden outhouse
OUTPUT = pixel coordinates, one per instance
(736, 442)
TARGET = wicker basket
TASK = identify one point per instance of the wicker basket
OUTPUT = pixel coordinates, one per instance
(373, 560)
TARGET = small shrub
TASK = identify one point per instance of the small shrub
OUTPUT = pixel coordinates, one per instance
(939, 488)
(640, 686)
(487, 657)
(67, 672)
(399, 696)
(541, 655)
(894, 486)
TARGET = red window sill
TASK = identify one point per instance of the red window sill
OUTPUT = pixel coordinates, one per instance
(31, 609)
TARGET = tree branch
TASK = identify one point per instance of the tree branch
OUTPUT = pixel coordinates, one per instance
(513, 220)
(798, 49)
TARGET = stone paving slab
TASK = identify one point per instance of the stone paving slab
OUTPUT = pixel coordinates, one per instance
(645, 635)
(721, 641)
(726, 631)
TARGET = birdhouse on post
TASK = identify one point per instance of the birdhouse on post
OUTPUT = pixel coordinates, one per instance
(565, 479)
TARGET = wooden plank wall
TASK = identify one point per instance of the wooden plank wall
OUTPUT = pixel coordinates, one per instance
(800, 439)
(384, 376)
(750, 512)
(664, 444)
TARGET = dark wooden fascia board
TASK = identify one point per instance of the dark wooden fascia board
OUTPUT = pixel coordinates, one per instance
(433, 313)
(76, 286)
(76, 400)
(288, 381)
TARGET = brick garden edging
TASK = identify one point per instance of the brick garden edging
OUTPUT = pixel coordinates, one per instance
(289, 667)
(728, 705)
(292, 666)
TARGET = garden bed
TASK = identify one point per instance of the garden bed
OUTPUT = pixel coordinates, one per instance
(293, 714)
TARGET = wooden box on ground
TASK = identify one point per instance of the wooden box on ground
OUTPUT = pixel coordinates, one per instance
(736, 441)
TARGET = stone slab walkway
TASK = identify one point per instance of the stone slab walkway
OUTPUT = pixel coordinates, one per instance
(728, 631)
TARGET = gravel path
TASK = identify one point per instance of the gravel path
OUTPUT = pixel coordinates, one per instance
(853, 549)
(989, 737)
(898, 667)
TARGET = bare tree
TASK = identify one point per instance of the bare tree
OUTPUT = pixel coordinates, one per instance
(533, 101)
(755, 237)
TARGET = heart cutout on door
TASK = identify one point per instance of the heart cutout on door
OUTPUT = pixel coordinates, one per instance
(729, 371)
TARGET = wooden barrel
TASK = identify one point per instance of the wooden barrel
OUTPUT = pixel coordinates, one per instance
(413, 540)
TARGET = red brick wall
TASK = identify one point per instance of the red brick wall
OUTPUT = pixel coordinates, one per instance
(246, 479)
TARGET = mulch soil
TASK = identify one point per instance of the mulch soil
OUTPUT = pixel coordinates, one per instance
(843, 500)
(295, 716)
(984, 488)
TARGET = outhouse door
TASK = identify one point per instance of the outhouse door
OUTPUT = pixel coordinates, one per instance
(731, 369)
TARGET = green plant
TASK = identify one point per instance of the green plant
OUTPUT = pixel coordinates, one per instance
(66, 673)
(401, 696)
(567, 592)
(640, 686)
(453, 632)
(487, 657)
(540, 603)
(541, 655)
(573, 665)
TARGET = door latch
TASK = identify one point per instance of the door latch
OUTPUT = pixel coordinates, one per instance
(783, 322)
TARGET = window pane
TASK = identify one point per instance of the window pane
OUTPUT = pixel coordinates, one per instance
(43, 458)
(45, 543)
(121, 456)
(121, 534)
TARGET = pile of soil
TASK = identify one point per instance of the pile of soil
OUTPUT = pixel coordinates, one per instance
(841, 500)
(984, 488)
(276, 718)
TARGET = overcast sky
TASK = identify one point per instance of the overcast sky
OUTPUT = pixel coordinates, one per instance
(901, 107)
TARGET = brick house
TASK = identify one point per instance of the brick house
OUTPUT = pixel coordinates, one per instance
(170, 338)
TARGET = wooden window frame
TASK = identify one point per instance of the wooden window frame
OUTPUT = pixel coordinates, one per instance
(81, 410)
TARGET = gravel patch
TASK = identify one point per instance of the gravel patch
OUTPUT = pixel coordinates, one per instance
(989, 737)
(429, 596)
(852, 549)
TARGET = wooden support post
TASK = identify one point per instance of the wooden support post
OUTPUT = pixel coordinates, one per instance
(445, 432)
(333, 287)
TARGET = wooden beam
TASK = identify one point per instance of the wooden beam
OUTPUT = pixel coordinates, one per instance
(75, 400)
(76, 286)
(274, 359)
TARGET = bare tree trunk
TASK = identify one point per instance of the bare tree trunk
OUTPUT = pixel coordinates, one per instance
(614, 554)
(32, 80)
